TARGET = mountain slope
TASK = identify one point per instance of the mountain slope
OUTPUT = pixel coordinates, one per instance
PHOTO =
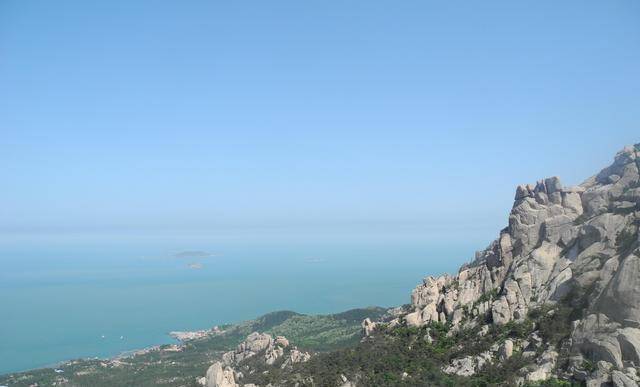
(554, 300)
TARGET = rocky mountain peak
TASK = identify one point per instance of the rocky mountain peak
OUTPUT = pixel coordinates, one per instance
(580, 241)
(261, 348)
(558, 289)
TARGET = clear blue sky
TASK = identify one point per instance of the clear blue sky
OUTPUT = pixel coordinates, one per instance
(143, 115)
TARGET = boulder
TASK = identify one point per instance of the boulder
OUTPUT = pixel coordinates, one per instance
(296, 356)
(593, 336)
(462, 367)
(619, 379)
(500, 311)
(544, 366)
(621, 300)
(368, 326)
(506, 350)
(219, 376)
(282, 341)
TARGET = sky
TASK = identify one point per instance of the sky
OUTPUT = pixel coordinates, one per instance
(128, 116)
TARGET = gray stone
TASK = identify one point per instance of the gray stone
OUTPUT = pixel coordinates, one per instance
(368, 327)
(500, 311)
(619, 379)
(622, 298)
(506, 350)
(468, 365)
(544, 366)
(219, 376)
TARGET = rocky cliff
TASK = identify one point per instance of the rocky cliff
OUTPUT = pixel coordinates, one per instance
(258, 351)
(559, 289)
(561, 242)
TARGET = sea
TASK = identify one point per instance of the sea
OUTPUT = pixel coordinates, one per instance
(68, 296)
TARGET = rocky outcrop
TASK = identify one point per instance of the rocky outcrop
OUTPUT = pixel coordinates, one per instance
(621, 379)
(295, 356)
(525, 262)
(559, 240)
(574, 249)
(220, 376)
(506, 350)
(261, 346)
(368, 327)
(254, 343)
(468, 365)
(543, 367)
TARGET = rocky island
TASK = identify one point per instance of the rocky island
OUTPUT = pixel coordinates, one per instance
(553, 301)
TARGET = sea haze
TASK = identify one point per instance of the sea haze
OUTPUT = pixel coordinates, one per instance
(60, 296)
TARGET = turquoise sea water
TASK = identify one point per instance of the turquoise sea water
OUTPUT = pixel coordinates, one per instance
(60, 296)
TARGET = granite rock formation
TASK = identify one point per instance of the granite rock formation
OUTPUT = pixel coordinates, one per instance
(575, 248)
(262, 347)
(558, 239)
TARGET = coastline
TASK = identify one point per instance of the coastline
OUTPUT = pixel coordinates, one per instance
(115, 359)
(192, 352)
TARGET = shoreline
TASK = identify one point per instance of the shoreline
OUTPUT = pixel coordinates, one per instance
(187, 359)
(177, 343)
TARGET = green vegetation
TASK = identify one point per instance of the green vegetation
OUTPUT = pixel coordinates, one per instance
(488, 296)
(554, 383)
(471, 343)
(379, 361)
(318, 333)
(272, 319)
(357, 315)
(588, 366)
(323, 333)
(626, 239)
(414, 356)
(383, 360)
(581, 219)
(554, 324)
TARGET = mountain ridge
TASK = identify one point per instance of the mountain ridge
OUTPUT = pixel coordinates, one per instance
(566, 267)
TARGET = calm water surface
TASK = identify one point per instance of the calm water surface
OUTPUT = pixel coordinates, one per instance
(83, 297)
